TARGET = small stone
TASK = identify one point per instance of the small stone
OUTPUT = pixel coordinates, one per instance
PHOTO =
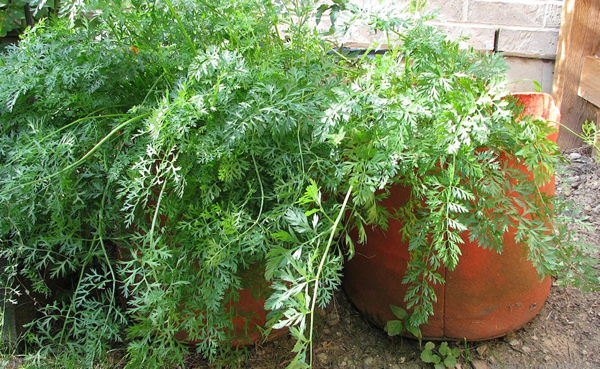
(514, 342)
(369, 362)
(481, 350)
(547, 358)
(596, 209)
(322, 357)
(535, 338)
(584, 353)
(525, 349)
(322, 313)
(479, 364)
(332, 319)
(326, 331)
(574, 156)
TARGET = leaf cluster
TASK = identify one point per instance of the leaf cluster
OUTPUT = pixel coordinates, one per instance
(16, 15)
(442, 357)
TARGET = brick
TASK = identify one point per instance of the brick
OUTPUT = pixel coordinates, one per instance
(480, 38)
(523, 70)
(553, 15)
(506, 13)
(449, 10)
(529, 43)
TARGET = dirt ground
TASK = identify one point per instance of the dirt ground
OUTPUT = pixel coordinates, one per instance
(565, 334)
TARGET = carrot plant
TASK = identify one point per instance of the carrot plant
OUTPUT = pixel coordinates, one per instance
(154, 152)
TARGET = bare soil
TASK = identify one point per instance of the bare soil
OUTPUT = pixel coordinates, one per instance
(565, 334)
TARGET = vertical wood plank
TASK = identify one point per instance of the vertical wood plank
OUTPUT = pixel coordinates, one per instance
(579, 37)
(589, 82)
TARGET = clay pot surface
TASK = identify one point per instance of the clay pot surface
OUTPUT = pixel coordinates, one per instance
(486, 296)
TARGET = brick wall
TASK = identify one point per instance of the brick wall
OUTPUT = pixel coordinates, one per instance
(527, 28)
(527, 36)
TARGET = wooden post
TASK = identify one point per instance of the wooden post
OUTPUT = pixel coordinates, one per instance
(579, 37)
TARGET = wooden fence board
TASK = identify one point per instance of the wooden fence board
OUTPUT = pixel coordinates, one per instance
(579, 37)
(589, 82)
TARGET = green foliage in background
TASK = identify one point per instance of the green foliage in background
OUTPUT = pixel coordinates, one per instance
(158, 153)
(16, 15)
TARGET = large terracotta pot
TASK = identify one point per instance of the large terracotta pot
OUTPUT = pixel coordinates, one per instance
(487, 295)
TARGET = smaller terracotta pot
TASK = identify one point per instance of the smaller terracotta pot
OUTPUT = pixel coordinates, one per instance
(486, 296)
(249, 314)
(248, 311)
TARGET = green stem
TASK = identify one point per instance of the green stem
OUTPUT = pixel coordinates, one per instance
(262, 200)
(154, 221)
(320, 269)
(101, 240)
(87, 155)
(187, 36)
(89, 116)
(156, 212)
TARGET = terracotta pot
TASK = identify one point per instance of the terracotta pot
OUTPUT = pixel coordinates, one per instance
(487, 295)
(249, 314)
(248, 311)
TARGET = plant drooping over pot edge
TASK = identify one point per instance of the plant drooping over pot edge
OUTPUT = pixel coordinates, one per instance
(205, 139)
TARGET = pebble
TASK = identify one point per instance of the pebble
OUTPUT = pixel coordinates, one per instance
(525, 349)
(322, 313)
(479, 364)
(596, 209)
(574, 156)
(322, 357)
(333, 319)
(369, 362)
(481, 350)
(513, 342)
